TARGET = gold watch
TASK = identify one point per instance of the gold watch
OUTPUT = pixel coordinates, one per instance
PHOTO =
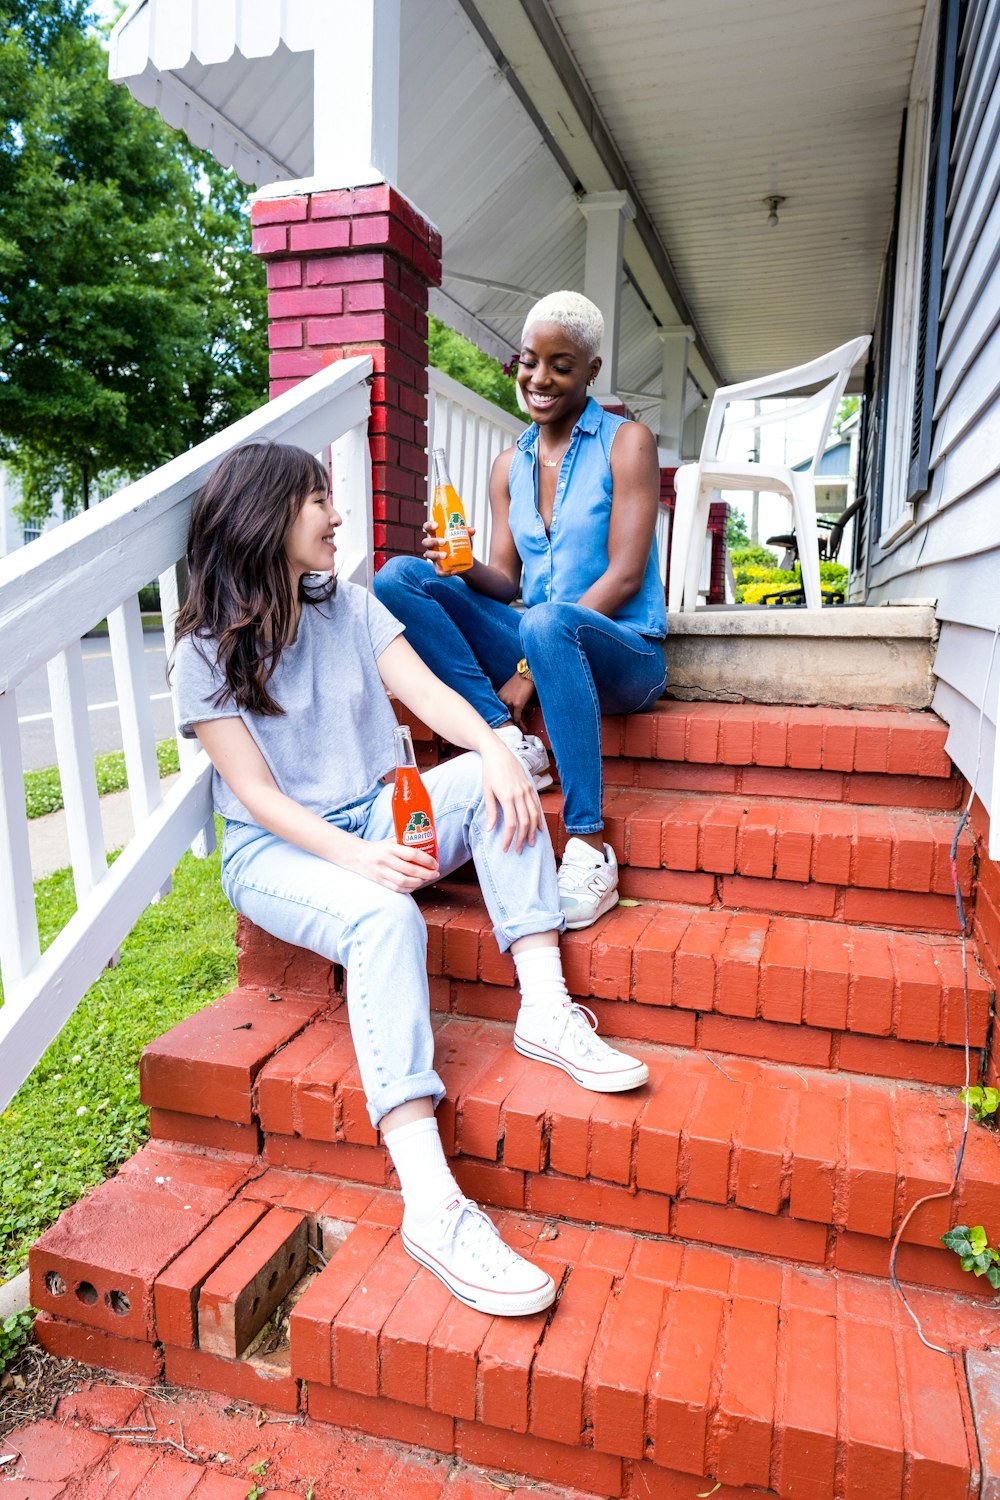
(523, 670)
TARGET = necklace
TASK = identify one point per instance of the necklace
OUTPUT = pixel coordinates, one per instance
(551, 463)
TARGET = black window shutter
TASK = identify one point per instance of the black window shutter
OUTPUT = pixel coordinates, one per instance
(933, 252)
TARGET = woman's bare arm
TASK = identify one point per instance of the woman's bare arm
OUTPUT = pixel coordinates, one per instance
(635, 477)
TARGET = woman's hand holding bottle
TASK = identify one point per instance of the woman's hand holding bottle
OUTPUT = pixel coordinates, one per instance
(391, 865)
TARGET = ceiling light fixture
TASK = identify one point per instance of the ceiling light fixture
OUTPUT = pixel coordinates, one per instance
(771, 204)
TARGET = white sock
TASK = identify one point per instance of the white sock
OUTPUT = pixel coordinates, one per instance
(540, 975)
(420, 1162)
(510, 734)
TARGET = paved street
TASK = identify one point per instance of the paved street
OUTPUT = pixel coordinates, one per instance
(34, 710)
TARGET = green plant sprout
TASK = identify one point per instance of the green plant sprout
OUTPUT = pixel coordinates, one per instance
(983, 1102)
(975, 1252)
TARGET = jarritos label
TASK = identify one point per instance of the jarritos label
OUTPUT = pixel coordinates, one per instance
(455, 529)
(419, 829)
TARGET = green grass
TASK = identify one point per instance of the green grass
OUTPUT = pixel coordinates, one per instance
(43, 789)
(78, 1115)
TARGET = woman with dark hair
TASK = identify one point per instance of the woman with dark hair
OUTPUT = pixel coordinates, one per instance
(574, 506)
(281, 673)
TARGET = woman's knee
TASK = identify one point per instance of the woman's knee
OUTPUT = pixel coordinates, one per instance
(543, 624)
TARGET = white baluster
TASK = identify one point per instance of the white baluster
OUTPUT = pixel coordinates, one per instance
(18, 922)
(136, 712)
(75, 757)
(173, 587)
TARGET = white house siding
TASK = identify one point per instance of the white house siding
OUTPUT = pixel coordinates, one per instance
(952, 551)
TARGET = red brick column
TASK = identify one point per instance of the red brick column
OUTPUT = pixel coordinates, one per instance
(718, 515)
(348, 273)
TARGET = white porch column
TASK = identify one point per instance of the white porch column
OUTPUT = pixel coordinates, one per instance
(606, 215)
(356, 94)
(673, 411)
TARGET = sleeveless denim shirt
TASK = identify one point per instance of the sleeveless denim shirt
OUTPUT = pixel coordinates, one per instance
(558, 568)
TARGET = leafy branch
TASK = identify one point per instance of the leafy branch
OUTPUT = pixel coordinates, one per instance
(975, 1252)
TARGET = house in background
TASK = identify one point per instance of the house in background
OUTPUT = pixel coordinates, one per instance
(13, 532)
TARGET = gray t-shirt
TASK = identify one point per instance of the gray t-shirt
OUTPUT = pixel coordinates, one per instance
(334, 741)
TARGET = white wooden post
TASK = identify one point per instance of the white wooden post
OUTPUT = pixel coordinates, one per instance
(173, 582)
(675, 343)
(606, 215)
(19, 948)
(351, 488)
(75, 757)
(356, 94)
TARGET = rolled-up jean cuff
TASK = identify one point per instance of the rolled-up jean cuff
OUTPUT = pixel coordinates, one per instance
(417, 1086)
(556, 922)
(588, 828)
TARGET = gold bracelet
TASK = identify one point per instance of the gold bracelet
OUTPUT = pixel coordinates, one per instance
(523, 670)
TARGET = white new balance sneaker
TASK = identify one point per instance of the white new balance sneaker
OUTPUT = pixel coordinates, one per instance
(464, 1250)
(530, 752)
(588, 884)
(566, 1036)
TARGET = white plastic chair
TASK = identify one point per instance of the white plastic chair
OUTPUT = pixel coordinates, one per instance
(695, 483)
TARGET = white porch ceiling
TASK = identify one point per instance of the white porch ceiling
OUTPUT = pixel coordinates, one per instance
(511, 108)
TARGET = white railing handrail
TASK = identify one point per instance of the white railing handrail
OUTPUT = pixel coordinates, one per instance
(51, 594)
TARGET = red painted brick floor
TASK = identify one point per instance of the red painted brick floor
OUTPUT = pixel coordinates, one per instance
(208, 1448)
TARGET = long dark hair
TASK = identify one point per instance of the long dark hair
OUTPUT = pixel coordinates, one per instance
(239, 589)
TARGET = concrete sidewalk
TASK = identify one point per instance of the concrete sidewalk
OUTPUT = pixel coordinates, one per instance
(49, 841)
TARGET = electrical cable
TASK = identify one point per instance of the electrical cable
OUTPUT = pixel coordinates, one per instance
(963, 935)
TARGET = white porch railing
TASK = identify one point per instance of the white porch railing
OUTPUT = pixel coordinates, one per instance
(51, 594)
(472, 431)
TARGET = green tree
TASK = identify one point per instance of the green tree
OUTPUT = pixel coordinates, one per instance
(132, 313)
(737, 534)
(463, 361)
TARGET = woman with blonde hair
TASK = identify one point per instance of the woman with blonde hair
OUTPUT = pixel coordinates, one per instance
(574, 507)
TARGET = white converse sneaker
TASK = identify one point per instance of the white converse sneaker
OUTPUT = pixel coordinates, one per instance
(566, 1036)
(530, 752)
(464, 1250)
(588, 884)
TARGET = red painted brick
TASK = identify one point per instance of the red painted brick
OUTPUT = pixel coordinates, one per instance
(405, 1337)
(761, 1141)
(806, 1428)
(619, 1369)
(614, 1119)
(839, 741)
(480, 1109)
(693, 889)
(452, 1359)
(505, 1360)
(523, 1118)
(793, 842)
(755, 844)
(239, 1296)
(272, 239)
(279, 210)
(827, 976)
(718, 839)
(312, 1317)
(742, 1229)
(654, 960)
(657, 1155)
(797, 900)
(745, 1414)
(382, 1418)
(554, 1463)
(591, 1202)
(330, 234)
(832, 844)
(783, 972)
(285, 336)
(558, 1370)
(784, 1044)
(614, 942)
(93, 1346)
(824, 786)
(177, 1287)
(359, 1323)
(816, 1152)
(703, 733)
(696, 959)
(737, 727)
(274, 1084)
(886, 1058)
(207, 1063)
(681, 1385)
(106, 1251)
(872, 1428)
(568, 1109)
(194, 1130)
(934, 1425)
(708, 1140)
(871, 1168)
(739, 965)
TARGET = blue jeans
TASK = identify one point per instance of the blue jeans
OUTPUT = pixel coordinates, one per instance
(379, 935)
(583, 664)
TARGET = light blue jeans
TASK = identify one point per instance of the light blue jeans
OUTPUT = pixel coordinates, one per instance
(583, 664)
(379, 935)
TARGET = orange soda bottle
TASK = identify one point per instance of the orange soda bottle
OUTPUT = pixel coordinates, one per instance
(448, 515)
(412, 813)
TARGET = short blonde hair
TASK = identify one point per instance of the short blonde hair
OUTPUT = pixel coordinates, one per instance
(581, 319)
